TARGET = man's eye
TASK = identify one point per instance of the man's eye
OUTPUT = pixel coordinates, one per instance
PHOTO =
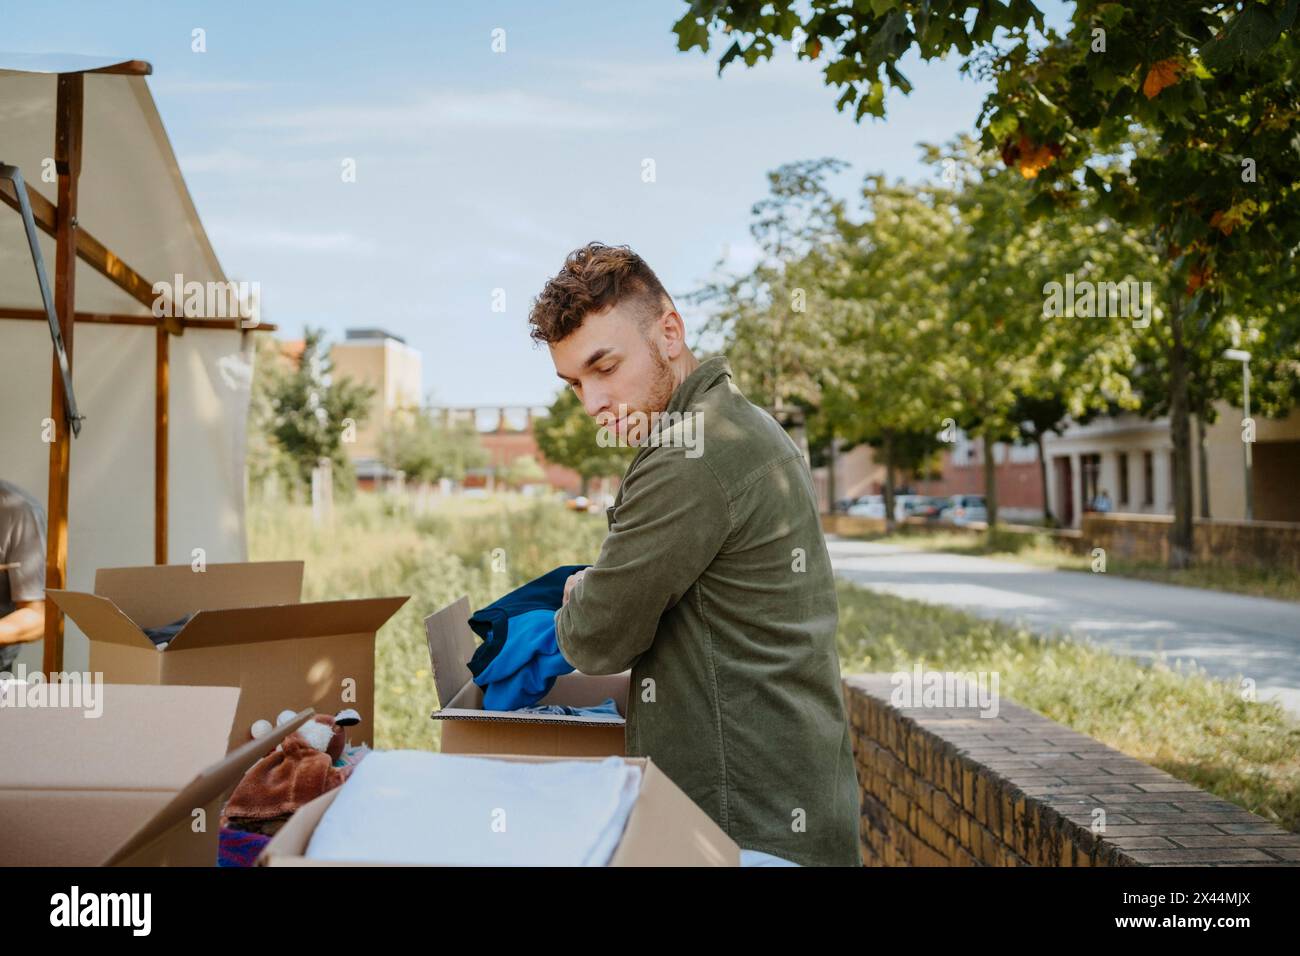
(607, 369)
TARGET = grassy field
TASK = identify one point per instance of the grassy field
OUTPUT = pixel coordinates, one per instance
(1194, 727)
(375, 547)
(1041, 550)
(1191, 726)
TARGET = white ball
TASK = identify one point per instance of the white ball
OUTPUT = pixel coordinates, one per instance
(261, 728)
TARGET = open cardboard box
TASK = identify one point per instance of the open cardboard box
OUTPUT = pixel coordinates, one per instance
(124, 788)
(468, 728)
(250, 631)
(665, 827)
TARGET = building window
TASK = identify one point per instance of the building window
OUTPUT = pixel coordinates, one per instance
(1090, 470)
(1123, 478)
(1148, 478)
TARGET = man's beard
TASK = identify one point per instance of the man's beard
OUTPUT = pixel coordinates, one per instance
(643, 422)
(661, 392)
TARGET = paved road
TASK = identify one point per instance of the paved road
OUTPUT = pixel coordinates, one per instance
(1229, 635)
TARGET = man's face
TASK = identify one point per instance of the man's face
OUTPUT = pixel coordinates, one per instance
(615, 370)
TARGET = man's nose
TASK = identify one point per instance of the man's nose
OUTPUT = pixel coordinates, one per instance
(595, 402)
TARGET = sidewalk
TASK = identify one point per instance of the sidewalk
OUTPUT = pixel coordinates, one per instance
(1229, 635)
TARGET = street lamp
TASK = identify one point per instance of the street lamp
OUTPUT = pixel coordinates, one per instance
(1237, 355)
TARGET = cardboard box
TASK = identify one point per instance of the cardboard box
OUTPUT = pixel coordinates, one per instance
(468, 728)
(665, 827)
(122, 788)
(251, 631)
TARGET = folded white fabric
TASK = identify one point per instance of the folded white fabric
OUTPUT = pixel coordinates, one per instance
(412, 806)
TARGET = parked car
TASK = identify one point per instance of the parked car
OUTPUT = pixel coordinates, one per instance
(913, 506)
(868, 506)
(963, 509)
(930, 508)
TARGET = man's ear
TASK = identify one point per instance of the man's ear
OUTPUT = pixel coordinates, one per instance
(673, 330)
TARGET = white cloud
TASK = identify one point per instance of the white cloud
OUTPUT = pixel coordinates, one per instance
(256, 235)
(171, 87)
(503, 109)
(221, 160)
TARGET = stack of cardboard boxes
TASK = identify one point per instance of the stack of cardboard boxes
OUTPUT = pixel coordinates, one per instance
(144, 783)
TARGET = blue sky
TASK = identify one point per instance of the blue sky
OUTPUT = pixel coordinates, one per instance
(475, 170)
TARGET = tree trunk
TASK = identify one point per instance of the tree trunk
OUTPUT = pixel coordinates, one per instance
(1203, 465)
(830, 475)
(889, 482)
(582, 489)
(990, 483)
(1048, 520)
(1180, 432)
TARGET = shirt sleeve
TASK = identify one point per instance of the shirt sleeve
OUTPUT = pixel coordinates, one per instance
(27, 551)
(671, 522)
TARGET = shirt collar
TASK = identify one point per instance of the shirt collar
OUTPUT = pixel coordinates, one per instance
(699, 381)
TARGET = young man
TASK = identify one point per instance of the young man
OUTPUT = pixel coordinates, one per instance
(714, 584)
(22, 571)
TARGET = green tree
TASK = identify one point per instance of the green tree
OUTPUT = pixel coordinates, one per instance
(1207, 89)
(524, 470)
(567, 436)
(427, 450)
(265, 460)
(1007, 343)
(887, 307)
(309, 409)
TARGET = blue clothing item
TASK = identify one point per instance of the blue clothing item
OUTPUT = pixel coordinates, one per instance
(164, 633)
(525, 669)
(492, 623)
(604, 711)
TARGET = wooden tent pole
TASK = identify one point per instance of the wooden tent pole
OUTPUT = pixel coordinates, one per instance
(67, 163)
(162, 391)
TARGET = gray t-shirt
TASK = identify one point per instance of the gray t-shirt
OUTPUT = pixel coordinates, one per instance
(22, 544)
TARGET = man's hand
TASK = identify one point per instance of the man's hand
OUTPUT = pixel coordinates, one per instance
(571, 583)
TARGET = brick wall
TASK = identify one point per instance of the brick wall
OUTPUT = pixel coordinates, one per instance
(1262, 544)
(1019, 483)
(949, 787)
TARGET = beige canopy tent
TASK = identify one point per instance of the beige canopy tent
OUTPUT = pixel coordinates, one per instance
(156, 471)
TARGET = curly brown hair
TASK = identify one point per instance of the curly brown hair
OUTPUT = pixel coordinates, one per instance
(594, 278)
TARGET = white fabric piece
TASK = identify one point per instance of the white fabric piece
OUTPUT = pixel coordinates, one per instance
(759, 858)
(416, 807)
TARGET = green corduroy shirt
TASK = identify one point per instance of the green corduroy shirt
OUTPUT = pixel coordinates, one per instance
(715, 587)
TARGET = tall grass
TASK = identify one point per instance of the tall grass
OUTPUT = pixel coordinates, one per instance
(377, 546)
(1195, 727)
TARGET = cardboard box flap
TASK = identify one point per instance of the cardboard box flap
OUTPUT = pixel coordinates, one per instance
(666, 826)
(255, 624)
(148, 845)
(451, 645)
(99, 616)
(146, 738)
(154, 595)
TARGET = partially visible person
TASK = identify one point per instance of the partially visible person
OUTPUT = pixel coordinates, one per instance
(1102, 502)
(22, 571)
